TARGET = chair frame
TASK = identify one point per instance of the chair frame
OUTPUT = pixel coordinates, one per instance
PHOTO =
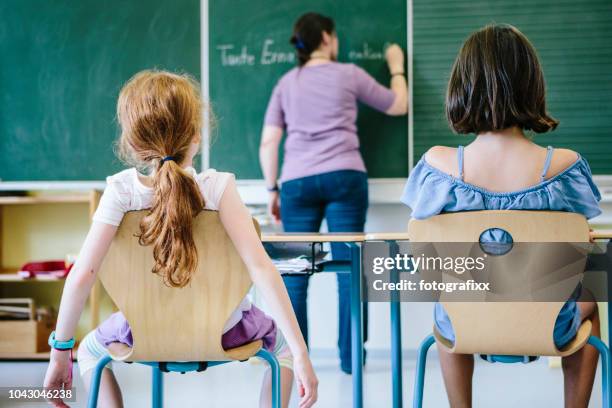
(559, 236)
(157, 377)
(602, 348)
(211, 294)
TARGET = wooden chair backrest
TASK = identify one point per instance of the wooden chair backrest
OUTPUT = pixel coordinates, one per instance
(176, 324)
(512, 328)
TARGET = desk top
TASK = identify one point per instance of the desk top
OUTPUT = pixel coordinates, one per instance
(374, 236)
(403, 236)
(313, 237)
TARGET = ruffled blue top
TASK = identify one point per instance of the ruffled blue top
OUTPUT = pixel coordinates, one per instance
(430, 191)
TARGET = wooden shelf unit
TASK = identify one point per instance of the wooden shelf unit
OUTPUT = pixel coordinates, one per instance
(8, 274)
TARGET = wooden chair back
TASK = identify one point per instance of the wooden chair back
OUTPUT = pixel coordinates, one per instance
(510, 327)
(176, 324)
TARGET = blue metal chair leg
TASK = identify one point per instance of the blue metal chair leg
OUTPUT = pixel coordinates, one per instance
(356, 325)
(419, 380)
(606, 367)
(157, 387)
(96, 377)
(396, 335)
(276, 380)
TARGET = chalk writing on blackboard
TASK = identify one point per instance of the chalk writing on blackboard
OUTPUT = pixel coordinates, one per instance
(233, 55)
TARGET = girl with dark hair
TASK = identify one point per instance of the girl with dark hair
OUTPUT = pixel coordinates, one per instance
(323, 174)
(497, 92)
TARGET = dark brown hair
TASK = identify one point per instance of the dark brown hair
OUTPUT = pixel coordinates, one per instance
(496, 82)
(308, 34)
(160, 114)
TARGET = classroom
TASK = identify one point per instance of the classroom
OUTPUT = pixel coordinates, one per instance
(323, 203)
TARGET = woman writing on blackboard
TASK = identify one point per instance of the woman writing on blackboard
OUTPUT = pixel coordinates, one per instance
(323, 174)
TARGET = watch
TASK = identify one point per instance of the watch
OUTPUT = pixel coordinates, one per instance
(272, 189)
(60, 345)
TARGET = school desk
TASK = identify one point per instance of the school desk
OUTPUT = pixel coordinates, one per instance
(353, 266)
(392, 238)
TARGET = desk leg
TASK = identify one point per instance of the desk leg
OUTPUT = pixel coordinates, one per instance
(356, 325)
(396, 335)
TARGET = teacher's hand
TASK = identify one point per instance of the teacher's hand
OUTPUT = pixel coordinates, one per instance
(395, 58)
(274, 207)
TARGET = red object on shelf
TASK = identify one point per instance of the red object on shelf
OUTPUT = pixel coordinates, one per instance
(57, 268)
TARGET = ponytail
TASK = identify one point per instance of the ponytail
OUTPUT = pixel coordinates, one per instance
(169, 225)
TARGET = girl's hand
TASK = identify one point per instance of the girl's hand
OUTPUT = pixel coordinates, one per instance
(306, 380)
(59, 374)
(395, 59)
(274, 207)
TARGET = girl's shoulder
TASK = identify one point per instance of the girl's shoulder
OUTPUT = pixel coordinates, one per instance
(431, 190)
(443, 158)
(561, 160)
(126, 176)
(212, 184)
(125, 183)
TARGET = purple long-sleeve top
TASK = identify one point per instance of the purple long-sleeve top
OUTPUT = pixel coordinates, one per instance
(317, 107)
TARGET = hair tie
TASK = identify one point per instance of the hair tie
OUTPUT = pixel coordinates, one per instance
(168, 158)
(298, 43)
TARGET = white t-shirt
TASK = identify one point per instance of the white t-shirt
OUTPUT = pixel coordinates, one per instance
(125, 192)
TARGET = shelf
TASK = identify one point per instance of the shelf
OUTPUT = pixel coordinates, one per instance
(10, 275)
(45, 199)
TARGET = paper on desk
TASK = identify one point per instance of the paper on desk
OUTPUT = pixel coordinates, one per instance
(294, 257)
(300, 264)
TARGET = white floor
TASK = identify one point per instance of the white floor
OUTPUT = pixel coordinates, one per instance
(237, 385)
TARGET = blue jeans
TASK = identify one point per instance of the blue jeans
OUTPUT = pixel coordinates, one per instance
(341, 197)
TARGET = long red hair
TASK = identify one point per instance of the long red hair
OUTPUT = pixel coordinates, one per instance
(160, 114)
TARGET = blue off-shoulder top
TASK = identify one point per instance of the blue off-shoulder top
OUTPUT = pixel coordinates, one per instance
(430, 191)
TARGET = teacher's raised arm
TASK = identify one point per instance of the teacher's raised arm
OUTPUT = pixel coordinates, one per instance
(323, 174)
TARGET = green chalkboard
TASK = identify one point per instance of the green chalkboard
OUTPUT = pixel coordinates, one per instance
(62, 65)
(250, 51)
(574, 42)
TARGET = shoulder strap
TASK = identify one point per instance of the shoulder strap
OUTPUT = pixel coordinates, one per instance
(549, 155)
(460, 161)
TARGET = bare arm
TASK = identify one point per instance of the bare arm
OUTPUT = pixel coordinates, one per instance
(268, 158)
(82, 277)
(76, 290)
(268, 153)
(399, 86)
(400, 89)
(238, 223)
